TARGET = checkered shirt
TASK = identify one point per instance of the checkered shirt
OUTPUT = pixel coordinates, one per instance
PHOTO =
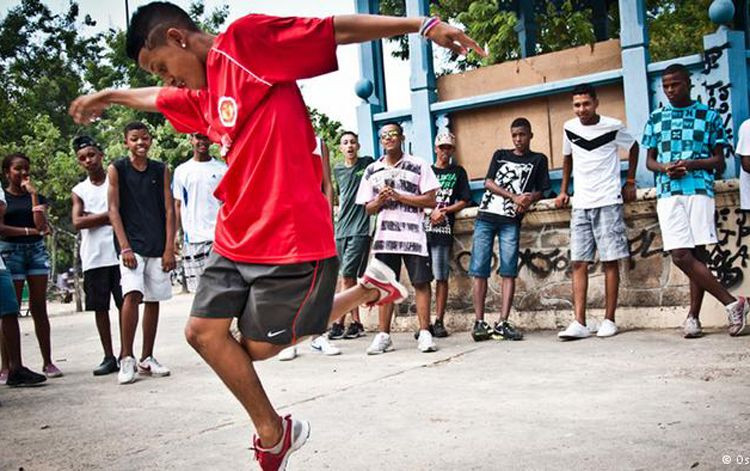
(684, 134)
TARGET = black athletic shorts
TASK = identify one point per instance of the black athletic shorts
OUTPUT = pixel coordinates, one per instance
(99, 284)
(418, 267)
(276, 304)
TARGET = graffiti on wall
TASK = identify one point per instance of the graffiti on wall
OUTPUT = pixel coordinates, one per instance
(727, 259)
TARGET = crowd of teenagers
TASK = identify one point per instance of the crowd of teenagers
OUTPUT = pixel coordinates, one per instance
(257, 234)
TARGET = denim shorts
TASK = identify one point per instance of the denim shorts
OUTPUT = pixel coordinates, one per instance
(598, 229)
(481, 248)
(8, 301)
(440, 258)
(24, 260)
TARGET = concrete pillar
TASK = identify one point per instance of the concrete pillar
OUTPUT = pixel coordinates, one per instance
(422, 84)
(371, 87)
(526, 28)
(635, 58)
(724, 76)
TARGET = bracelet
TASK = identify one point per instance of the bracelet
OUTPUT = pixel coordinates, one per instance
(27, 230)
(125, 250)
(38, 208)
(630, 180)
(428, 24)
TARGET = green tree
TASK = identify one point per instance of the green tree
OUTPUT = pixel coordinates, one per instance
(676, 27)
(46, 60)
(329, 130)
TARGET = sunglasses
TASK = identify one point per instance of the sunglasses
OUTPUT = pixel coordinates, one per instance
(386, 134)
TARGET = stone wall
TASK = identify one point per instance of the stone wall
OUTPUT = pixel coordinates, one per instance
(650, 283)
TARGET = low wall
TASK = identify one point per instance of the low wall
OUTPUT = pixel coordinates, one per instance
(653, 292)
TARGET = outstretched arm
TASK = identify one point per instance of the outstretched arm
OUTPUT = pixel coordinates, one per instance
(362, 28)
(87, 108)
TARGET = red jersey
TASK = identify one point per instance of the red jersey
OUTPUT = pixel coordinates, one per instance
(274, 211)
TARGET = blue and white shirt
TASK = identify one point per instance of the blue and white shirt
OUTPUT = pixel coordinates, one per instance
(688, 133)
(193, 186)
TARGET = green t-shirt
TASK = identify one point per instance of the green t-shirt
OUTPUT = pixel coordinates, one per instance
(353, 219)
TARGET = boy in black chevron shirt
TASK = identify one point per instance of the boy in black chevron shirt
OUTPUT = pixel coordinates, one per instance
(590, 144)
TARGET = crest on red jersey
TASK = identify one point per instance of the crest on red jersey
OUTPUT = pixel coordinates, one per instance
(227, 111)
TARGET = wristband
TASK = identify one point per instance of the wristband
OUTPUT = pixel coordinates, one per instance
(428, 24)
(125, 250)
(27, 230)
(38, 208)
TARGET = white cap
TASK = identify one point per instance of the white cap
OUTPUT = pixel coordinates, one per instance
(445, 138)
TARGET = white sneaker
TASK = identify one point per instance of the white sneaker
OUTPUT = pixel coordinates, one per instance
(322, 345)
(425, 343)
(379, 276)
(574, 331)
(607, 329)
(289, 353)
(150, 367)
(127, 371)
(380, 344)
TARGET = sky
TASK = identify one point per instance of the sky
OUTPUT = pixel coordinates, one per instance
(332, 94)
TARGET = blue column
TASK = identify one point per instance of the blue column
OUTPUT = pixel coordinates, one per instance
(633, 40)
(371, 87)
(422, 84)
(725, 79)
(526, 28)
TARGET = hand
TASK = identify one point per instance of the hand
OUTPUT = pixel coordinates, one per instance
(383, 195)
(167, 261)
(562, 200)
(676, 169)
(129, 260)
(628, 192)
(27, 185)
(454, 39)
(88, 108)
(437, 216)
(523, 200)
(520, 209)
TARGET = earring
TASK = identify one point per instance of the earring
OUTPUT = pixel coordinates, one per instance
(183, 45)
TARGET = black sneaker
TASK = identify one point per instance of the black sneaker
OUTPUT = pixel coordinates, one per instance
(336, 332)
(354, 330)
(107, 366)
(481, 331)
(506, 331)
(438, 330)
(25, 377)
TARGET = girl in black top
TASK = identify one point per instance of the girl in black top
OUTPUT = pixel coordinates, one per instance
(23, 224)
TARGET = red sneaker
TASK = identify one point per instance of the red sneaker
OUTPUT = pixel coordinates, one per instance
(379, 276)
(294, 435)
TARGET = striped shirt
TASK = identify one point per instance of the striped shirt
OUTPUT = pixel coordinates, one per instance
(399, 227)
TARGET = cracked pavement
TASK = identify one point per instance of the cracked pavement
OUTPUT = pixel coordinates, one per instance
(641, 400)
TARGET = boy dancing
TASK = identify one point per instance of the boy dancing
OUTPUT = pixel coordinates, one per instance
(274, 261)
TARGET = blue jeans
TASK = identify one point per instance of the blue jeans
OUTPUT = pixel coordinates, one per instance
(481, 248)
(24, 260)
(8, 301)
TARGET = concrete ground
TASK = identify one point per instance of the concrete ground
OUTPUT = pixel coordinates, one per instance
(642, 400)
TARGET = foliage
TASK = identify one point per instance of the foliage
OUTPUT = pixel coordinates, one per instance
(329, 130)
(676, 27)
(46, 60)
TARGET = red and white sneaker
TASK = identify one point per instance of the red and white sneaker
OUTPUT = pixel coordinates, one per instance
(379, 276)
(294, 436)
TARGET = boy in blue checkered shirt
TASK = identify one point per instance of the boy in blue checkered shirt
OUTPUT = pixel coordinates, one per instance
(685, 141)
